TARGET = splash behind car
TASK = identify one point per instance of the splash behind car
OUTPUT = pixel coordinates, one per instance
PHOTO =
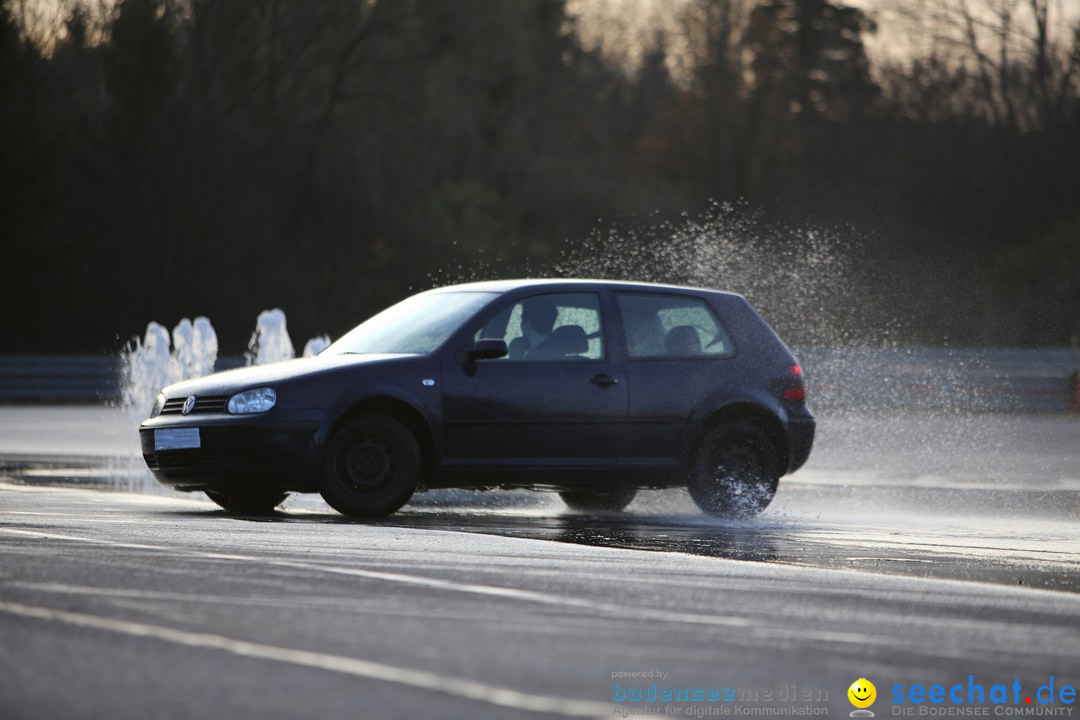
(593, 389)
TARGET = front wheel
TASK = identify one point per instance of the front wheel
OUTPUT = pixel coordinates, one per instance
(373, 466)
(247, 502)
(736, 471)
(598, 500)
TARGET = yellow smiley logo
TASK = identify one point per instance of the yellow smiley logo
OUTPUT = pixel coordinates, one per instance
(862, 693)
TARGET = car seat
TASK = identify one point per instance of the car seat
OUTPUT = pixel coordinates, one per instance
(683, 341)
(565, 341)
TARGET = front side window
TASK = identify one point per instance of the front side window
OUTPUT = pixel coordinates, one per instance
(556, 326)
(671, 326)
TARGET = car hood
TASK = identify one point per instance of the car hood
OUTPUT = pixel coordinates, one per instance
(231, 381)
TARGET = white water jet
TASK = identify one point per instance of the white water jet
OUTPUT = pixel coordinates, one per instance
(154, 361)
(270, 342)
(195, 346)
(316, 345)
(148, 365)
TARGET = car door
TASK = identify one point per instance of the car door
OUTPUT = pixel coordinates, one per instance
(557, 402)
(675, 347)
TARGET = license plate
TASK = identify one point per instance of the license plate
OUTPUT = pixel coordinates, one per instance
(177, 439)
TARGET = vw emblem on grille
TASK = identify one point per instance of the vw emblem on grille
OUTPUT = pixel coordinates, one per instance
(189, 405)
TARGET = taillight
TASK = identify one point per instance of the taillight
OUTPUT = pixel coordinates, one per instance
(795, 388)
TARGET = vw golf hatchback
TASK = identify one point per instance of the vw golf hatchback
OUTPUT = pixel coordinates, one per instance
(592, 389)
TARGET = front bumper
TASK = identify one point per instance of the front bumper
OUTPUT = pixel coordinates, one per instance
(277, 450)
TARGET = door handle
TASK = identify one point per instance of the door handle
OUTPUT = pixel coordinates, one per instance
(604, 380)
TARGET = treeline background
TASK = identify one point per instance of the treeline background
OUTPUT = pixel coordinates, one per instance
(170, 158)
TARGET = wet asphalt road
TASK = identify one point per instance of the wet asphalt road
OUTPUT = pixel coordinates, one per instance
(124, 605)
(912, 549)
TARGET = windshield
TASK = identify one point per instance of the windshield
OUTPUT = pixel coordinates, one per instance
(416, 325)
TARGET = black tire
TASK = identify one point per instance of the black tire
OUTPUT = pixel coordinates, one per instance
(736, 471)
(247, 502)
(373, 466)
(612, 500)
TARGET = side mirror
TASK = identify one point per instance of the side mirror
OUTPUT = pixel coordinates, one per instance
(486, 349)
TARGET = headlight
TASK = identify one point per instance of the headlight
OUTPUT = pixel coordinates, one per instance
(159, 405)
(252, 401)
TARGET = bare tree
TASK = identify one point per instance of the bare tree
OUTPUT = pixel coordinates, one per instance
(1020, 58)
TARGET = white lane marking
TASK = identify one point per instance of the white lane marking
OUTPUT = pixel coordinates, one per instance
(344, 604)
(467, 689)
(543, 598)
(43, 514)
(76, 538)
(109, 498)
(752, 629)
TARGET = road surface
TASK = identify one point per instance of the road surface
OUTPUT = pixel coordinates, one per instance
(143, 605)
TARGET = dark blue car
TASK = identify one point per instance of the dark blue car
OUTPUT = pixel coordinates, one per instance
(593, 389)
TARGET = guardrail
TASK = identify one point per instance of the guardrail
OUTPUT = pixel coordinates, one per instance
(59, 378)
(953, 380)
(76, 379)
(1042, 380)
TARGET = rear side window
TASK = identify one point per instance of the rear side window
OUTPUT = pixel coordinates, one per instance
(672, 326)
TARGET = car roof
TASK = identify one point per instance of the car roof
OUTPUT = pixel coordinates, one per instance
(503, 286)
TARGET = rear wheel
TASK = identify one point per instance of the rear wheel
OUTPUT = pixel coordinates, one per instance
(736, 471)
(598, 500)
(251, 502)
(373, 466)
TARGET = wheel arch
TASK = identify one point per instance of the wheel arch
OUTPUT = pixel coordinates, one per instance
(404, 413)
(757, 416)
